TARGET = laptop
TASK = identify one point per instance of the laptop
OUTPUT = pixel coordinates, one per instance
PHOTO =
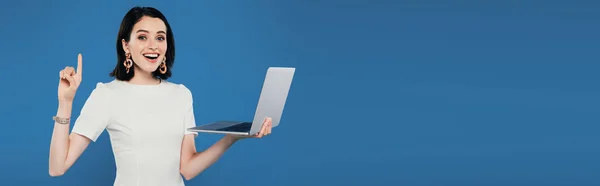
(270, 104)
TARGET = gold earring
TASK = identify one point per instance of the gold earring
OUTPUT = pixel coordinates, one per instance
(127, 63)
(163, 66)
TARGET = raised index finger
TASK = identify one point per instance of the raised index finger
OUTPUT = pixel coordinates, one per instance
(79, 63)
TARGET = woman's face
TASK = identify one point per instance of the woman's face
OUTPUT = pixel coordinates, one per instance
(147, 44)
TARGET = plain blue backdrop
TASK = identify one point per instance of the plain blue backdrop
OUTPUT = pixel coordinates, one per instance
(385, 93)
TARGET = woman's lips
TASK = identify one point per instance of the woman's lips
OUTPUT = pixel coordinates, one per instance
(151, 57)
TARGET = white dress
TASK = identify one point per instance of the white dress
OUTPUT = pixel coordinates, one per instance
(146, 125)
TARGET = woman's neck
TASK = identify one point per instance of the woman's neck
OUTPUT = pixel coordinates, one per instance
(141, 78)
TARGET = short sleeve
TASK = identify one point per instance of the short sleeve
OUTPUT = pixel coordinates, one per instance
(94, 115)
(189, 120)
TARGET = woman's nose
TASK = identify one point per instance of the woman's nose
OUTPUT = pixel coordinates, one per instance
(152, 45)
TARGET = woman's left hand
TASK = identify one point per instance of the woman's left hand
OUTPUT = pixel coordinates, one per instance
(264, 131)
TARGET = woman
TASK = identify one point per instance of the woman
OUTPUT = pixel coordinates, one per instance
(145, 115)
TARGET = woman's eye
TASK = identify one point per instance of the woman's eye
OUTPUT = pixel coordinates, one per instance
(142, 37)
(161, 38)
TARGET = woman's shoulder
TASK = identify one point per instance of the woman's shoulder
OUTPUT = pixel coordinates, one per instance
(102, 86)
(183, 92)
(102, 90)
(179, 87)
(106, 86)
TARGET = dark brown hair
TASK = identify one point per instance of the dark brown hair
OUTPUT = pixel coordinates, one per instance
(131, 18)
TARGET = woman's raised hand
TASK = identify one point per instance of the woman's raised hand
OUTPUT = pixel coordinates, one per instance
(69, 81)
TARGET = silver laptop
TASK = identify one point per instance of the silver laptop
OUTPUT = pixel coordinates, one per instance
(270, 104)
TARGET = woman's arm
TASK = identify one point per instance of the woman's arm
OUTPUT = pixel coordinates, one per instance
(64, 148)
(193, 163)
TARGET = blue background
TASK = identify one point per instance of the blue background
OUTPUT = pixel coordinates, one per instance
(385, 93)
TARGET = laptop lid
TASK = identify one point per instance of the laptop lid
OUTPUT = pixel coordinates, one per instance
(273, 96)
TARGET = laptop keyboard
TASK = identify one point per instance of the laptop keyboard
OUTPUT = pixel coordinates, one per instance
(242, 127)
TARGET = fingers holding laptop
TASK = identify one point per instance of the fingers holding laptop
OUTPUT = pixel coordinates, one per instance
(264, 131)
(266, 128)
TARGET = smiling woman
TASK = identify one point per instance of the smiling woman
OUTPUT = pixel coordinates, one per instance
(145, 115)
(145, 38)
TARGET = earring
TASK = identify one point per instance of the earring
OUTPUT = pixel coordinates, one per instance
(163, 66)
(127, 63)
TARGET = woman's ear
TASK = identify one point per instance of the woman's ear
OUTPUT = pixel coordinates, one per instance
(125, 46)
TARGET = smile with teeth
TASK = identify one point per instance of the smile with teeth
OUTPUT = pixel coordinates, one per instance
(151, 57)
